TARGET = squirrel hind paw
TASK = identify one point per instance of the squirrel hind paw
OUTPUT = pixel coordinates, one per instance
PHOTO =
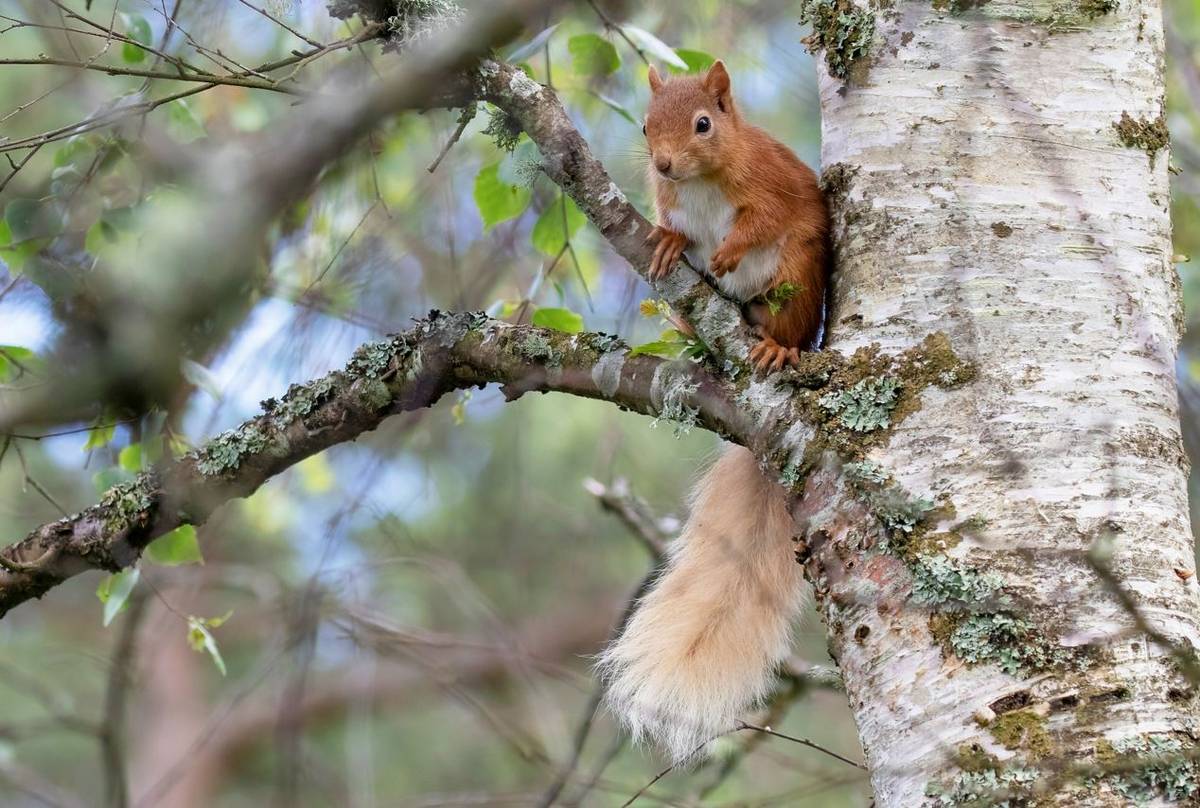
(768, 355)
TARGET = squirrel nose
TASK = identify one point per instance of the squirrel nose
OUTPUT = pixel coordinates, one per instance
(663, 164)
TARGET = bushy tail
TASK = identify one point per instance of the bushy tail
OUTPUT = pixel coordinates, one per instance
(702, 646)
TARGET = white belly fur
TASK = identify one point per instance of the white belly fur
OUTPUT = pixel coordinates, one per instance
(704, 215)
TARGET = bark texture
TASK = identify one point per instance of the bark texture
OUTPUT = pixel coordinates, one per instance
(998, 172)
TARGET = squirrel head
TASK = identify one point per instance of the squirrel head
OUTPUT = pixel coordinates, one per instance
(690, 123)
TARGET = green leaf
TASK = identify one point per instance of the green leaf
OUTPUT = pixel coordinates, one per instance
(617, 107)
(12, 359)
(114, 592)
(593, 55)
(671, 344)
(554, 227)
(175, 548)
(496, 199)
(201, 638)
(532, 46)
(130, 458)
(558, 319)
(99, 236)
(668, 350)
(75, 146)
(655, 46)
(100, 436)
(138, 29)
(23, 219)
(697, 61)
(183, 123)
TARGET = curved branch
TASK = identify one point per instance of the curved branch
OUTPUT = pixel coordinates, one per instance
(408, 371)
(568, 161)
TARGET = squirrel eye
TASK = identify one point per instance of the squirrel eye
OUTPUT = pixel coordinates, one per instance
(703, 124)
(643, 129)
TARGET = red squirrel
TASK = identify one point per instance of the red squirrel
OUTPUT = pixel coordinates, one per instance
(702, 645)
(746, 210)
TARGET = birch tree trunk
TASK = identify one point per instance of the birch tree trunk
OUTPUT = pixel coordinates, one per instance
(998, 173)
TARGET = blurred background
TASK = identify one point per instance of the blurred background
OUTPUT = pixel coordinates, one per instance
(408, 619)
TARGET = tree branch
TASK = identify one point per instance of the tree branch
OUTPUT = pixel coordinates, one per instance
(408, 371)
(568, 161)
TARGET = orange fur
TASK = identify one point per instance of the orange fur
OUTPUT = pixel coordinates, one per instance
(774, 197)
(701, 648)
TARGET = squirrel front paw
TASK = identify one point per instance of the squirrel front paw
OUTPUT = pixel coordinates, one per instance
(669, 249)
(725, 259)
(769, 355)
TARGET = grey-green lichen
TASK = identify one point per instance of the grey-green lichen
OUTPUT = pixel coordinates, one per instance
(504, 129)
(601, 342)
(372, 359)
(675, 408)
(1014, 643)
(939, 580)
(535, 345)
(971, 615)
(899, 513)
(1006, 787)
(1161, 768)
(375, 394)
(301, 399)
(865, 472)
(866, 406)
(841, 29)
(125, 503)
(225, 452)
(855, 401)
(1147, 134)
(416, 20)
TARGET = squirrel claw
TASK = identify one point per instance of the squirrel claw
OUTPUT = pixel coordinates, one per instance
(768, 355)
(723, 261)
(669, 249)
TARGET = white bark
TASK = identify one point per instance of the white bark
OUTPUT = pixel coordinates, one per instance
(984, 192)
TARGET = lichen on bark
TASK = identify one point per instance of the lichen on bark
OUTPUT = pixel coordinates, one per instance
(843, 30)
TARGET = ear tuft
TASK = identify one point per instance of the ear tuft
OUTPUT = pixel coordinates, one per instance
(716, 80)
(656, 80)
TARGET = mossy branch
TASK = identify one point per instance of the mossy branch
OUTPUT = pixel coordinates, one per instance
(407, 371)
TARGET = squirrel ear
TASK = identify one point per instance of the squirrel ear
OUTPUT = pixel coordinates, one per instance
(716, 80)
(655, 79)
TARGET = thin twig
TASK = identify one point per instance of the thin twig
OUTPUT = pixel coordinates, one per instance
(120, 676)
(281, 24)
(581, 736)
(465, 118)
(672, 768)
(802, 742)
(1184, 657)
(16, 168)
(612, 26)
(118, 70)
